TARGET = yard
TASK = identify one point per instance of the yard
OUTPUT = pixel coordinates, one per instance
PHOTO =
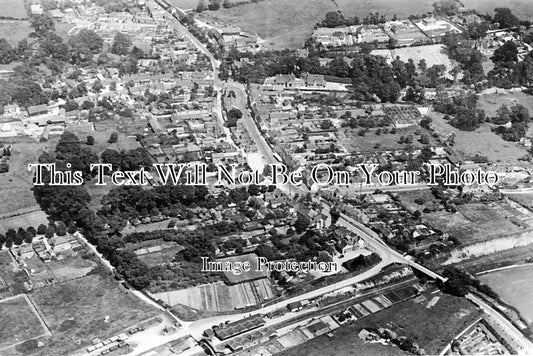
(19, 322)
(76, 311)
(289, 23)
(13, 8)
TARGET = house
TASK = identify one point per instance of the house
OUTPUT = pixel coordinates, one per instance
(37, 110)
(276, 197)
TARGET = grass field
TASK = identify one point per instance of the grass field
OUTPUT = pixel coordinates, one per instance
(481, 141)
(514, 286)
(75, 311)
(473, 223)
(288, 23)
(432, 54)
(14, 31)
(349, 139)
(13, 8)
(34, 218)
(492, 102)
(521, 8)
(19, 322)
(15, 185)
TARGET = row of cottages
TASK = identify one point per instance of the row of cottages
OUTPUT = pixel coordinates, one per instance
(291, 81)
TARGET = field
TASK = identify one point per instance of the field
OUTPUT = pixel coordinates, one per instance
(75, 311)
(34, 218)
(431, 320)
(14, 31)
(474, 222)
(288, 23)
(219, 297)
(514, 286)
(13, 8)
(521, 8)
(15, 185)
(491, 102)
(349, 139)
(433, 54)
(481, 141)
(20, 322)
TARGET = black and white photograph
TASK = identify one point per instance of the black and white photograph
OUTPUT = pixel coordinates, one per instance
(266, 177)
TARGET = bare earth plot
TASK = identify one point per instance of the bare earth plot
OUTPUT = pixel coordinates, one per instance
(13, 8)
(481, 141)
(19, 321)
(515, 286)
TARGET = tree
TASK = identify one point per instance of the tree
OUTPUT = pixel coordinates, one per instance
(446, 7)
(333, 19)
(505, 18)
(87, 39)
(227, 4)
(28, 236)
(19, 238)
(508, 52)
(90, 141)
(214, 5)
(42, 24)
(61, 229)
(301, 224)
(7, 53)
(41, 229)
(113, 138)
(121, 44)
(201, 6)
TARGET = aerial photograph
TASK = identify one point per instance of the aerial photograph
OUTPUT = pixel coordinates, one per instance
(266, 177)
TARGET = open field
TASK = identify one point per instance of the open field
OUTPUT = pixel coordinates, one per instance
(288, 23)
(75, 311)
(492, 102)
(431, 320)
(34, 218)
(474, 223)
(481, 141)
(19, 321)
(523, 9)
(514, 286)
(15, 185)
(70, 268)
(349, 139)
(14, 31)
(433, 54)
(13, 8)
